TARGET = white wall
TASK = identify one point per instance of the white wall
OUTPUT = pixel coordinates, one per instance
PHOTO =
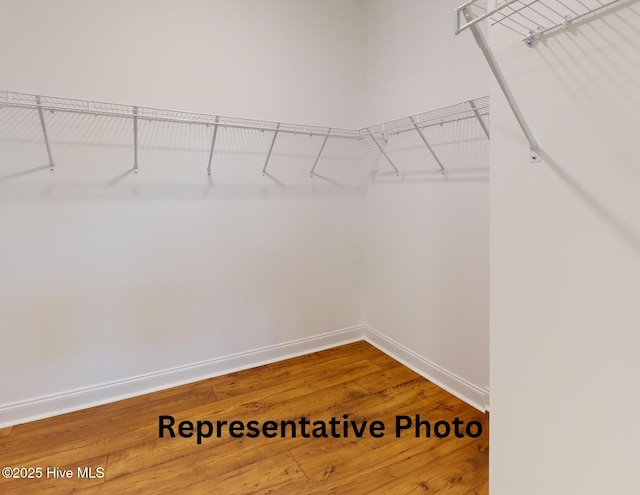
(427, 252)
(105, 275)
(565, 261)
(282, 60)
(413, 60)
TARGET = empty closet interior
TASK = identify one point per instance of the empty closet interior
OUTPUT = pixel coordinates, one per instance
(190, 188)
(237, 199)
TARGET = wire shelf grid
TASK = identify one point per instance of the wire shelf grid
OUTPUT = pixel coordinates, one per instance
(531, 19)
(244, 134)
(472, 109)
(57, 104)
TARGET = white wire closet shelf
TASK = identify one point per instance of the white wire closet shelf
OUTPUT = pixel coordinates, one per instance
(531, 19)
(476, 110)
(375, 137)
(57, 104)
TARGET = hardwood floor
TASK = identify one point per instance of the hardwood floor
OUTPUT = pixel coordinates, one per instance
(355, 380)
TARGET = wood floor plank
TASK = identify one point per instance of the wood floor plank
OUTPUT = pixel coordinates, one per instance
(284, 401)
(94, 424)
(308, 368)
(355, 380)
(389, 376)
(458, 473)
(341, 457)
(262, 477)
(88, 429)
(361, 485)
(165, 449)
(236, 473)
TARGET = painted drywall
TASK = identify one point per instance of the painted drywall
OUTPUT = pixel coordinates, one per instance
(114, 275)
(427, 244)
(413, 60)
(281, 60)
(565, 262)
(107, 275)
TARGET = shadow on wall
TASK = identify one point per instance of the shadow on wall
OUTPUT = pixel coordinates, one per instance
(619, 10)
(169, 192)
(627, 233)
(470, 174)
(579, 55)
(605, 109)
(15, 175)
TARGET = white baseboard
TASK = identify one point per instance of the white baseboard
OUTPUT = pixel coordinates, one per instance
(468, 392)
(74, 400)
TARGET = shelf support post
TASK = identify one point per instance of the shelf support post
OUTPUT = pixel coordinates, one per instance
(534, 147)
(213, 143)
(52, 165)
(426, 143)
(273, 141)
(382, 151)
(477, 114)
(320, 152)
(135, 140)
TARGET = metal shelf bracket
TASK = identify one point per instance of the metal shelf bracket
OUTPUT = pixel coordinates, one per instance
(43, 124)
(375, 141)
(324, 142)
(531, 19)
(472, 24)
(273, 141)
(135, 140)
(213, 143)
(426, 143)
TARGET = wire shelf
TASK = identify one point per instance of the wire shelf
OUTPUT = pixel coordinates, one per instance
(57, 104)
(532, 19)
(145, 123)
(383, 138)
(473, 109)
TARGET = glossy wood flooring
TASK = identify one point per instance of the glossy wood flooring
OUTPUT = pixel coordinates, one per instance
(355, 379)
